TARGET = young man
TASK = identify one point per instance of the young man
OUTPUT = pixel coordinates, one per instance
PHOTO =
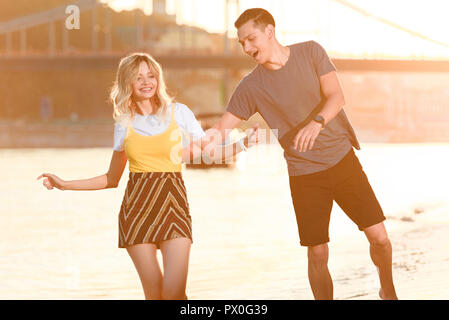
(296, 90)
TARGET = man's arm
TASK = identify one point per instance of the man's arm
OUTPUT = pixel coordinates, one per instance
(214, 137)
(333, 93)
(335, 100)
(227, 122)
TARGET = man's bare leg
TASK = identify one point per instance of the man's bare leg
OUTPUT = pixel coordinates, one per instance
(319, 277)
(381, 253)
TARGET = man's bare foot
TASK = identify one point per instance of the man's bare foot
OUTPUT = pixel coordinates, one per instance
(385, 297)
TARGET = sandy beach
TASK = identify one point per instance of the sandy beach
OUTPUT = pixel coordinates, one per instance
(63, 244)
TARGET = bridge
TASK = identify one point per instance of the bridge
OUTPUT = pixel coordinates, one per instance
(104, 57)
(411, 113)
(186, 61)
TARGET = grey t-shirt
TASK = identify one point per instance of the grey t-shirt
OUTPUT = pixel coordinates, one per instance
(287, 99)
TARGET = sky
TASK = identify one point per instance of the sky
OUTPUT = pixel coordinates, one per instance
(347, 28)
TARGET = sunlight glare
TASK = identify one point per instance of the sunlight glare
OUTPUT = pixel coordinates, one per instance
(342, 30)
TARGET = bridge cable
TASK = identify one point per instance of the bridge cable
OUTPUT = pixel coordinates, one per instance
(389, 23)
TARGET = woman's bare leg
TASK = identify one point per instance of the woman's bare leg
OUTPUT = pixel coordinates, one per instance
(175, 254)
(145, 260)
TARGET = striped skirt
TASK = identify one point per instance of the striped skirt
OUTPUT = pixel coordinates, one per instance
(154, 209)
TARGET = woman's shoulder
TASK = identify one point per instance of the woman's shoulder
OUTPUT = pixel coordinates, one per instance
(181, 107)
(122, 122)
(182, 110)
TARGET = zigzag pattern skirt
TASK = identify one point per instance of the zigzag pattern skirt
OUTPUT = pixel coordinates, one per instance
(154, 209)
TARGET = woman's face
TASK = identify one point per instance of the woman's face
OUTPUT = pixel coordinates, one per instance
(145, 85)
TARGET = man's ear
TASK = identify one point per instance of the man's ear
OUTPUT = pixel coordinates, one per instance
(269, 30)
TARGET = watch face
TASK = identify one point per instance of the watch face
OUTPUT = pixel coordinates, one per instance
(320, 119)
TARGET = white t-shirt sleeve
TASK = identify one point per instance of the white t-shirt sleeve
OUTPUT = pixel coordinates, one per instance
(119, 137)
(190, 127)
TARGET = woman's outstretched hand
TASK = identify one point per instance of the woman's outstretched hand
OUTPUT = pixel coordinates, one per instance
(51, 181)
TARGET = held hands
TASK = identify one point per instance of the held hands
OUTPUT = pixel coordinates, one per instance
(52, 181)
(305, 138)
(253, 136)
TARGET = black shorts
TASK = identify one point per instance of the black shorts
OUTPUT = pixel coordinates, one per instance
(313, 196)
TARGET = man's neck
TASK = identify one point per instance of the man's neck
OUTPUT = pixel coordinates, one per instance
(278, 58)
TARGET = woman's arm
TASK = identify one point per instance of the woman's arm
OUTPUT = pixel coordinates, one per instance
(105, 181)
(211, 146)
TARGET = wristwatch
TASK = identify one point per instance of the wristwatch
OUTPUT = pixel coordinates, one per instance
(319, 119)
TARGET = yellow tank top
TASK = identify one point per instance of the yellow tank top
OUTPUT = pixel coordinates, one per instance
(157, 153)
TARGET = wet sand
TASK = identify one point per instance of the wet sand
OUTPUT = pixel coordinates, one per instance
(63, 245)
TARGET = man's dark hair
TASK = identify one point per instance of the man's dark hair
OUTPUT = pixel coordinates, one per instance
(260, 17)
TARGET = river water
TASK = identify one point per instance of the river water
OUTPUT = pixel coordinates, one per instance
(63, 244)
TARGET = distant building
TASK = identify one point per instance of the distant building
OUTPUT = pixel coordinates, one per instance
(102, 30)
(164, 35)
(159, 8)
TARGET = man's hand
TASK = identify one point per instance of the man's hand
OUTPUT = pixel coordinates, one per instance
(305, 138)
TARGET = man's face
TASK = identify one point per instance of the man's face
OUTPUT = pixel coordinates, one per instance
(255, 41)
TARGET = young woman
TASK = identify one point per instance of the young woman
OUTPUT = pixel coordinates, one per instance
(151, 132)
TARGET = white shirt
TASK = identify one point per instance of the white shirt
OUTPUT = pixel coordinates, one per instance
(149, 125)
